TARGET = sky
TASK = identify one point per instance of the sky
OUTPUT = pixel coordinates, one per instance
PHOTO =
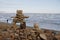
(30, 6)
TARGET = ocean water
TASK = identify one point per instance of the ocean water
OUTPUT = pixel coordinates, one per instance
(45, 20)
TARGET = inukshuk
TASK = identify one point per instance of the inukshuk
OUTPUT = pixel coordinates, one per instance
(19, 18)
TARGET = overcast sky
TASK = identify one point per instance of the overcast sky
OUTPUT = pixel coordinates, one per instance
(30, 6)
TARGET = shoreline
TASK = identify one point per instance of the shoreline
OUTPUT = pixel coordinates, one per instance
(3, 24)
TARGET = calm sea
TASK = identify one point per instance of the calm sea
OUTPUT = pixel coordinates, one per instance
(45, 20)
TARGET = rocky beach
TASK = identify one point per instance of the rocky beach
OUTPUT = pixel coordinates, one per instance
(23, 32)
(7, 32)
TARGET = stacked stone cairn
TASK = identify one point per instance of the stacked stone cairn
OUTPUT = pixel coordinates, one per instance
(19, 18)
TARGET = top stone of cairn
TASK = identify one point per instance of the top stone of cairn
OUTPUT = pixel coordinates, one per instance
(19, 11)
